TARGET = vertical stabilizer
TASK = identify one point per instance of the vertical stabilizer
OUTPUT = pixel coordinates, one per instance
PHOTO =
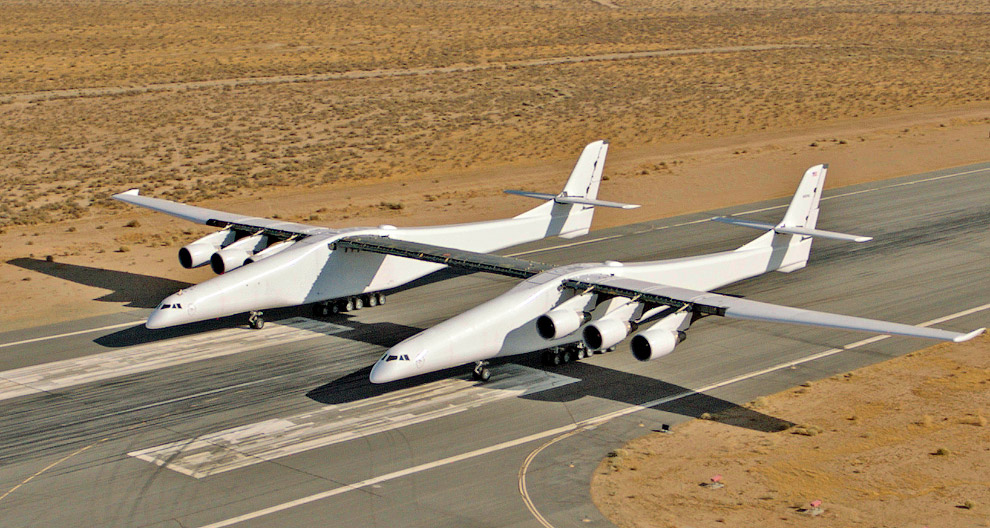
(569, 219)
(791, 251)
(803, 213)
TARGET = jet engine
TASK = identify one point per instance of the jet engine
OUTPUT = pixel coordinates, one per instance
(273, 249)
(236, 254)
(605, 333)
(560, 322)
(655, 343)
(199, 252)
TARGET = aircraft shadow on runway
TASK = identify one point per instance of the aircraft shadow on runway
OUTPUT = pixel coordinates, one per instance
(138, 291)
(594, 380)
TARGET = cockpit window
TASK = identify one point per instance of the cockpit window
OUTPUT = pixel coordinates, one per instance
(403, 357)
(167, 306)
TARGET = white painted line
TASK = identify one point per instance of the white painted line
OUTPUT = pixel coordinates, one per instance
(160, 354)
(280, 437)
(584, 424)
(80, 332)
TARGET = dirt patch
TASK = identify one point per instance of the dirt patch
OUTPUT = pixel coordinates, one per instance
(900, 443)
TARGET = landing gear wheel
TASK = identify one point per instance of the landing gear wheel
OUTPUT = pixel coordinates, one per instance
(349, 305)
(372, 300)
(558, 358)
(358, 303)
(381, 298)
(256, 321)
(582, 353)
(547, 357)
(481, 372)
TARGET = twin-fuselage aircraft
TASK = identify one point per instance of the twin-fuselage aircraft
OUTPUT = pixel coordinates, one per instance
(567, 311)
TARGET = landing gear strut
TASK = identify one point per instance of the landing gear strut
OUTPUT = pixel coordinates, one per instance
(256, 320)
(481, 372)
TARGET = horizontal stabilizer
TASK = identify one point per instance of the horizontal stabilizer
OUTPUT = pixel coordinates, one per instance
(564, 199)
(820, 233)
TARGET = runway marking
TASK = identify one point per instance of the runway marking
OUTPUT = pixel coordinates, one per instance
(588, 423)
(80, 332)
(280, 437)
(49, 466)
(153, 356)
(753, 211)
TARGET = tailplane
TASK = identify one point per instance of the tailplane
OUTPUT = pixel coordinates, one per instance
(572, 210)
(793, 235)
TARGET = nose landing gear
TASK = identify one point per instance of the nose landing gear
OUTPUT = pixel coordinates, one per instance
(481, 372)
(256, 320)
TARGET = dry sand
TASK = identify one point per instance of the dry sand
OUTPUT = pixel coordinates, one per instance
(903, 443)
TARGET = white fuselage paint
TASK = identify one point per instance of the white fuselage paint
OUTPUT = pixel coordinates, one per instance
(506, 325)
(310, 271)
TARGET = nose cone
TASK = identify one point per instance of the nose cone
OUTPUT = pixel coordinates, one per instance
(172, 311)
(399, 362)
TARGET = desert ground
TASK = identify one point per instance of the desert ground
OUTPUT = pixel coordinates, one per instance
(899, 443)
(412, 113)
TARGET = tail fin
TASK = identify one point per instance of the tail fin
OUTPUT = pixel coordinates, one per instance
(791, 238)
(572, 210)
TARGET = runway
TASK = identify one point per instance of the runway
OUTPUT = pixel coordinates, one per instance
(106, 423)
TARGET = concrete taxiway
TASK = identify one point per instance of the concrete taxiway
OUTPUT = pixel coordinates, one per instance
(106, 423)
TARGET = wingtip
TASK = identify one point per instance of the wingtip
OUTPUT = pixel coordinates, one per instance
(862, 239)
(631, 206)
(971, 335)
(132, 192)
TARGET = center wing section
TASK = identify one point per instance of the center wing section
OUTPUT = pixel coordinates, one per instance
(454, 258)
(708, 303)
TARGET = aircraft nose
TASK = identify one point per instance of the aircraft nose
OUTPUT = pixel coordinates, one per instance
(158, 319)
(396, 364)
(169, 313)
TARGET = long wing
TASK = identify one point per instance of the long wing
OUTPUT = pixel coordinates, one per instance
(716, 304)
(221, 219)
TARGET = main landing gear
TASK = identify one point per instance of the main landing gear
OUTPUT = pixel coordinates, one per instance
(256, 320)
(347, 304)
(562, 354)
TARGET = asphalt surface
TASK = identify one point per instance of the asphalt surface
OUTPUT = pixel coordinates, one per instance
(213, 424)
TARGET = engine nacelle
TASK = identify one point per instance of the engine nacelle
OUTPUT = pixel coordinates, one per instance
(273, 249)
(200, 251)
(236, 254)
(655, 343)
(605, 333)
(560, 322)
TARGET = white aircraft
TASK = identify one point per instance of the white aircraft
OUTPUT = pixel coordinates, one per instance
(264, 264)
(576, 309)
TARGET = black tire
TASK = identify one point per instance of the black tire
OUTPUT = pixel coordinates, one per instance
(381, 298)
(482, 374)
(349, 305)
(257, 323)
(358, 303)
(372, 301)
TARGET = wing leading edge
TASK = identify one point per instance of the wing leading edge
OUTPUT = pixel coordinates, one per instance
(201, 215)
(715, 304)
